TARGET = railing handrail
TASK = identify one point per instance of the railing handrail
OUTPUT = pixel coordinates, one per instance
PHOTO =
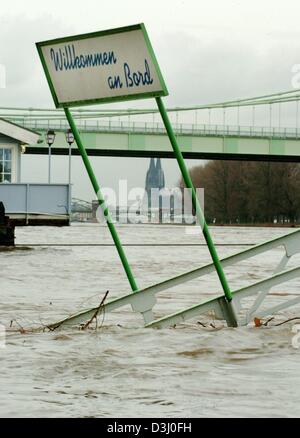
(158, 128)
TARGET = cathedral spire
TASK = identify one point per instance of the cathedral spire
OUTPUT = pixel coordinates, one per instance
(155, 181)
(151, 179)
(160, 175)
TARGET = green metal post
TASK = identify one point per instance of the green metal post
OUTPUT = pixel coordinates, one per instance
(196, 205)
(101, 200)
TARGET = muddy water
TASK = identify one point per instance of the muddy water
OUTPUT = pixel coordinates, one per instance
(123, 369)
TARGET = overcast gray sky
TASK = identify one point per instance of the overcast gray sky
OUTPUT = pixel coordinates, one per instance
(208, 51)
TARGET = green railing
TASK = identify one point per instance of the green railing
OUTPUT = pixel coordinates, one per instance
(158, 128)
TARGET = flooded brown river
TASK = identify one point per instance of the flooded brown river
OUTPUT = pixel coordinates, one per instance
(123, 369)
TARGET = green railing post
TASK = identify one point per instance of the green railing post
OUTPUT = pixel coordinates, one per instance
(101, 200)
(196, 205)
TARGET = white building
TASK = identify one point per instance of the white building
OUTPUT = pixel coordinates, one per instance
(28, 203)
(13, 139)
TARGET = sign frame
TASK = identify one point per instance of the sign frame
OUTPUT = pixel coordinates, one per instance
(230, 310)
(77, 103)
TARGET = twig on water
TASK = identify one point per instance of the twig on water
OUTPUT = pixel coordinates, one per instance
(268, 320)
(21, 330)
(53, 327)
(288, 320)
(259, 323)
(97, 311)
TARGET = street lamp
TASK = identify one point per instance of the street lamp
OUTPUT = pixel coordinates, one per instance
(70, 141)
(50, 137)
(69, 136)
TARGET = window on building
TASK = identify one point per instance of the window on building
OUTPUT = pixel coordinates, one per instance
(5, 165)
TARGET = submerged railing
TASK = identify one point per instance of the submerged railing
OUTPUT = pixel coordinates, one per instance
(144, 300)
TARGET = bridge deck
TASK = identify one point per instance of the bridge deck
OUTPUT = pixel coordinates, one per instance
(136, 139)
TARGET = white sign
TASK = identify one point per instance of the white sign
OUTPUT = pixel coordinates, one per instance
(117, 64)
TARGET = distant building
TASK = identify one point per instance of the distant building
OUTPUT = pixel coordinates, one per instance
(158, 203)
(155, 179)
(160, 175)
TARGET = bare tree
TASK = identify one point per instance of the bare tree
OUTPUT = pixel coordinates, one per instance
(249, 192)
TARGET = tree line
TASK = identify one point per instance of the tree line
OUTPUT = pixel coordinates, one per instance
(249, 192)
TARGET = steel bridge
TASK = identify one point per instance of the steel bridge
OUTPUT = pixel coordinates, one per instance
(122, 133)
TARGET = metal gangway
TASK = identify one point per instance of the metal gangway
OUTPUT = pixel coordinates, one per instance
(143, 301)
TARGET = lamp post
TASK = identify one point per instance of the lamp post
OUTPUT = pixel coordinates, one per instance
(50, 137)
(70, 141)
(23, 150)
